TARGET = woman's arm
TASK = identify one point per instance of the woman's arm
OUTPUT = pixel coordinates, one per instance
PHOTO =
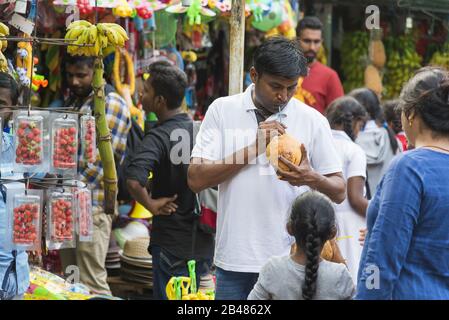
(356, 196)
(398, 201)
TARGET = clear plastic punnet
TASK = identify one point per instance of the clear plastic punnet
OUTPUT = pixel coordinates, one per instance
(61, 218)
(88, 139)
(64, 146)
(84, 214)
(24, 223)
(29, 143)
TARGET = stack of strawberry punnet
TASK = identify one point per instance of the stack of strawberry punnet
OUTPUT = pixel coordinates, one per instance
(64, 146)
(24, 219)
(88, 137)
(84, 213)
(29, 144)
(61, 218)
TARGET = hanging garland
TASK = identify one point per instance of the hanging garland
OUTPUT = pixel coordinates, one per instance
(129, 69)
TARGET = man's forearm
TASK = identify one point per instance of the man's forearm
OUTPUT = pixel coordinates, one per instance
(139, 193)
(333, 186)
(209, 174)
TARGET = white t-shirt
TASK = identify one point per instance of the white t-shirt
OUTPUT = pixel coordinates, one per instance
(253, 206)
(353, 160)
(348, 220)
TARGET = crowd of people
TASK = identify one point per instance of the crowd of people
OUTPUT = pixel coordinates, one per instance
(356, 192)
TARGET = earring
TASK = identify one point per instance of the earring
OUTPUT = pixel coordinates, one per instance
(410, 122)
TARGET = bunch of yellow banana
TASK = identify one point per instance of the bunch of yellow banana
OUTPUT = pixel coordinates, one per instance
(4, 31)
(354, 59)
(441, 57)
(91, 40)
(402, 62)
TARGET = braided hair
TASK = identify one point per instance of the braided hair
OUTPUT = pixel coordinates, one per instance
(8, 82)
(345, 111)
(312, 222)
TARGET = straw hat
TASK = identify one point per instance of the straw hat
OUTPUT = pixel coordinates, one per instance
(137, 248)
(132, 230)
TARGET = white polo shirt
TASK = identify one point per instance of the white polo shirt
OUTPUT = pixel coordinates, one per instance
(253, 206)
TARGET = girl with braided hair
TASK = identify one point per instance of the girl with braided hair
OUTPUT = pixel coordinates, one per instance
(304, 275)
(346, 117)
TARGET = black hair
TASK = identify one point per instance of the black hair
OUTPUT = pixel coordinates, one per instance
(312, 222)
(344, 111)
(309, 22)
(392, 115)
(79, 60)
(279, 56)
(169, 82)
(370, 100)
(8, 82)
(427, 94)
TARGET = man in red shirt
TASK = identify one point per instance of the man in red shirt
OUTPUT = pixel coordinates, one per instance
(322, 85)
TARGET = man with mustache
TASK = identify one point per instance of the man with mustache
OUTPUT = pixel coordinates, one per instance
(322, 85)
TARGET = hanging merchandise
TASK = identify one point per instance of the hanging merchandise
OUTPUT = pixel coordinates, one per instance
(126, 90)
(60, 221)
(64, 146)
(257, 9)
(24, 61)
(166, 24)
(83, 205)
(354, 58)
(123, 10)
(88, 139)
(402, 62)
(441, 57)
(38, 80)
(24, 208)
(190, 96)
(128, 77)
(194, 11)
(4, 32)
(271, 19)
(29, 143)
(287, 26)
(84, 7)
(373, 76)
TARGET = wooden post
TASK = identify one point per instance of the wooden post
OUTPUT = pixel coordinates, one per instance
(237, 46)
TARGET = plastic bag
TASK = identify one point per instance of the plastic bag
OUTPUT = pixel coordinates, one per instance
(64, 146)
(60, 221)
(88, 139)
(29, 143)
(84, 215)
(24, 210)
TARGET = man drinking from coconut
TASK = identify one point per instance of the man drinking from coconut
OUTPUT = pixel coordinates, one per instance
(254, 198)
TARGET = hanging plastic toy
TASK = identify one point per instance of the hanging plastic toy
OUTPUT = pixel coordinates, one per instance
(271, 19)
(257, 9)
(24, 61)
(178, 287)
(194, 10)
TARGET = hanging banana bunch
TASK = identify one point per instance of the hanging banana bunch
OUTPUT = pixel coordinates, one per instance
(98, 38)
(4, 31)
